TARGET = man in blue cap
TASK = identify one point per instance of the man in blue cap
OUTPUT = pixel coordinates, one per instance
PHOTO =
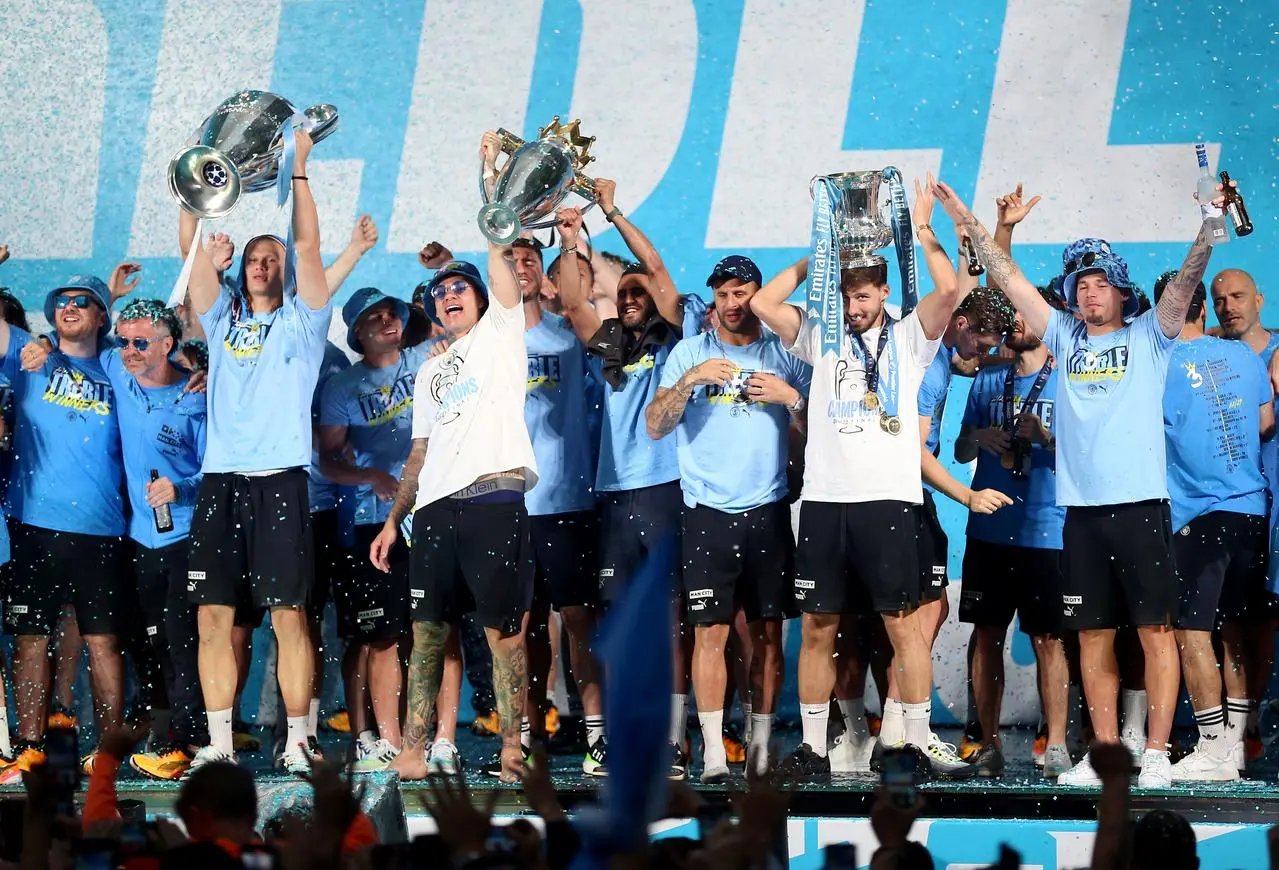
(465, 477)
(366, 416)
(1111, 472)
(65, 497)
(251, 540)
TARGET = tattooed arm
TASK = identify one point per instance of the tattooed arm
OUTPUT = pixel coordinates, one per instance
(380, 549)
(1175, 300)
(1003, 271)
(664, 412)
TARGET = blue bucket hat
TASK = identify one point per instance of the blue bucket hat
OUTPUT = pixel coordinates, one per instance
(93, 285)
(1116, 271)
(1072, 256)
(459, 268)
(359, 303)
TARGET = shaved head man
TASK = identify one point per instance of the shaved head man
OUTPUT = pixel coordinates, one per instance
(1237, 304)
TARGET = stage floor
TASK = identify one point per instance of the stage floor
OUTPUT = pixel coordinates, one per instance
(1020, 794)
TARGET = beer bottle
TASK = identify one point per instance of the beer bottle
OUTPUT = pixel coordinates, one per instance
(163, 516)
(1234, 207)
(975, 267)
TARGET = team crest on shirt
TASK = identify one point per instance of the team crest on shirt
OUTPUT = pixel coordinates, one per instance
(245, 338)
(385, 403)
(70, 389)
(1097, 371)
(449, 392)
(543, 371)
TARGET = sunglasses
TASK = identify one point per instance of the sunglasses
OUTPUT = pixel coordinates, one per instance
(80, 300)
(1084, 262)
(457, 288)
(140, 344)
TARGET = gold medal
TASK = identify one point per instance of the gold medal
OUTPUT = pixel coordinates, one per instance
(891, 425)
(870, 401)
(1007, 460)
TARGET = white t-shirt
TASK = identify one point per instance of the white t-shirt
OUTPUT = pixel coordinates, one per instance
(849, 457)
(469, 403)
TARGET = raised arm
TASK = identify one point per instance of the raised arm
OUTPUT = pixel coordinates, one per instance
(935, 309)
(204, 284)
(573, 296)
(503, 288)
(1012, 211)
(1003, 271)
(309, 279)
(1174, 302)
(662, 286)
(363, 237)
(770, 304)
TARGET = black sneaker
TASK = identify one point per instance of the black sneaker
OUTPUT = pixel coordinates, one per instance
(313, 749)
(494, 767)
(679, 763)
(804, 765)
(989, 761)
(595, 762)
(570, 739)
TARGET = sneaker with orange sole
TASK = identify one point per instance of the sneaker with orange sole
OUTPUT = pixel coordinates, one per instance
(734, 744)
(1041, 745)
(166, 763)
(59, 717)
(339, 722)
(27, 757)
(551, 721)
(486, 724)
(872, 724)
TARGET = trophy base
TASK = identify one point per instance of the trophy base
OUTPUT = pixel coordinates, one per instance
(859, 258)
(204, 182)
(499, 223)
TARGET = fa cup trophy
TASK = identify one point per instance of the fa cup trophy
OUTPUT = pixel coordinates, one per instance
(536, 177)
(238, 150)
(860, 228)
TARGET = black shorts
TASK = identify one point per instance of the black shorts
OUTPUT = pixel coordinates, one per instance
(371, 605)
(471, 556)
(565, 548)
(1117, 561)
(742, 560)
(52, 569)
(632, 524)
(159, 573)
(1001, 579)
(934, 549)
(251, 542)
(332, 560)
(1221, 563)
(857, 558)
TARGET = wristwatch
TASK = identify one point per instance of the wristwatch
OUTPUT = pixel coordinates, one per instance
(798, 406)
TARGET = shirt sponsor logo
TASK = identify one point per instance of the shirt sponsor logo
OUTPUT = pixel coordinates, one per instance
(69, 388)
(805, 584)
(370, 614)
(417, 593)
(939, 569)
(195, 575)
(701, 593)
(1072, 599)
(606, 573)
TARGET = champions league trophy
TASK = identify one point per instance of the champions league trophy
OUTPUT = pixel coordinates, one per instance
(535, 179)
(238, 150)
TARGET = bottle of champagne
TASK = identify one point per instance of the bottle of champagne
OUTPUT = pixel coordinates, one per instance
(1235, 209)
(1207, 190)
(163, 516)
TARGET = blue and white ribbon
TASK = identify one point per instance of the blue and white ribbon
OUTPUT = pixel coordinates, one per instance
(284, 183)
(824, 300)
(887, 371)
(179, 291)
(903, 239)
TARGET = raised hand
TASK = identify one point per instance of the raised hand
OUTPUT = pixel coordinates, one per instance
(922, 213)
(1012, 210)
(304, 143)
(434, 255)
(364, 234)
(570, 225)
(120, 284)
(221, 250)
(950, 202)
(490, 147)
(605, 190)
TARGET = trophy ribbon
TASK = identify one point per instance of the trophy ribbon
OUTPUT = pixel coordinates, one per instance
(284, 183)
(824, 301)
(179, 291)
(903, 239)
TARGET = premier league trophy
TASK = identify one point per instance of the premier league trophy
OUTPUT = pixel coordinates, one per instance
(238, 150)
(536, 177)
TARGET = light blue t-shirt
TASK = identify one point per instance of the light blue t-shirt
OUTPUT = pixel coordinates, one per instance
(376, 407)
(932, 399)
(1270, 447)
(558, 408)
(1033, 519)
(732, 452)
(68, 473)
(1110, 415)
(323, 492)
(263, 369)
(1211, 420)
(629, 459)
(161, 428)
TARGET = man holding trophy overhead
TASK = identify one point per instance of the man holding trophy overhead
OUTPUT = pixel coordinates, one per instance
(862, 486)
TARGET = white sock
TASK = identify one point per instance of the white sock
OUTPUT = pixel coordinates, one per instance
(1213, 730)
(814, 718)
(854, 712)
(296, 734)
(746, 723)
(220, 736)
(917, 723)
(1237, 710)
(1134, 704)
(594, 729)
(6, 747)
(679, 712)
(526, 734)
(313, 719)
(712, 722)
(161, 720)
(366, 738)
(892, 730)
(761, 725)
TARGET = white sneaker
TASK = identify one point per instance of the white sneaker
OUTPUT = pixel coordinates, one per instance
(370, 757)
(1056, 760)
(1238, 757)
(851, 754)
(1081, 775)
(1202, 766)
(296, 760)
(944, 759)
(208, 755)
(443, 759)
(1135, 742)
(1156, 770)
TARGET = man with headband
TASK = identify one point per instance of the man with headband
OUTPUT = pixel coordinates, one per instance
(251, 541)
(637, 478)
(1117, 530)
(858, 524)
(1217, 410)
(64, 500)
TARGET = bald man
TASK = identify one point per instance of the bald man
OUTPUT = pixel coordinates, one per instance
(1238, 305)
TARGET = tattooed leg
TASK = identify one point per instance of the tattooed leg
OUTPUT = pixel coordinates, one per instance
(426, 670)
(510, 686)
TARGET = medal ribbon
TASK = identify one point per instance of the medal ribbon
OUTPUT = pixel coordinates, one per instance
(1011, 421)
(888, 398)
(824, 299)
